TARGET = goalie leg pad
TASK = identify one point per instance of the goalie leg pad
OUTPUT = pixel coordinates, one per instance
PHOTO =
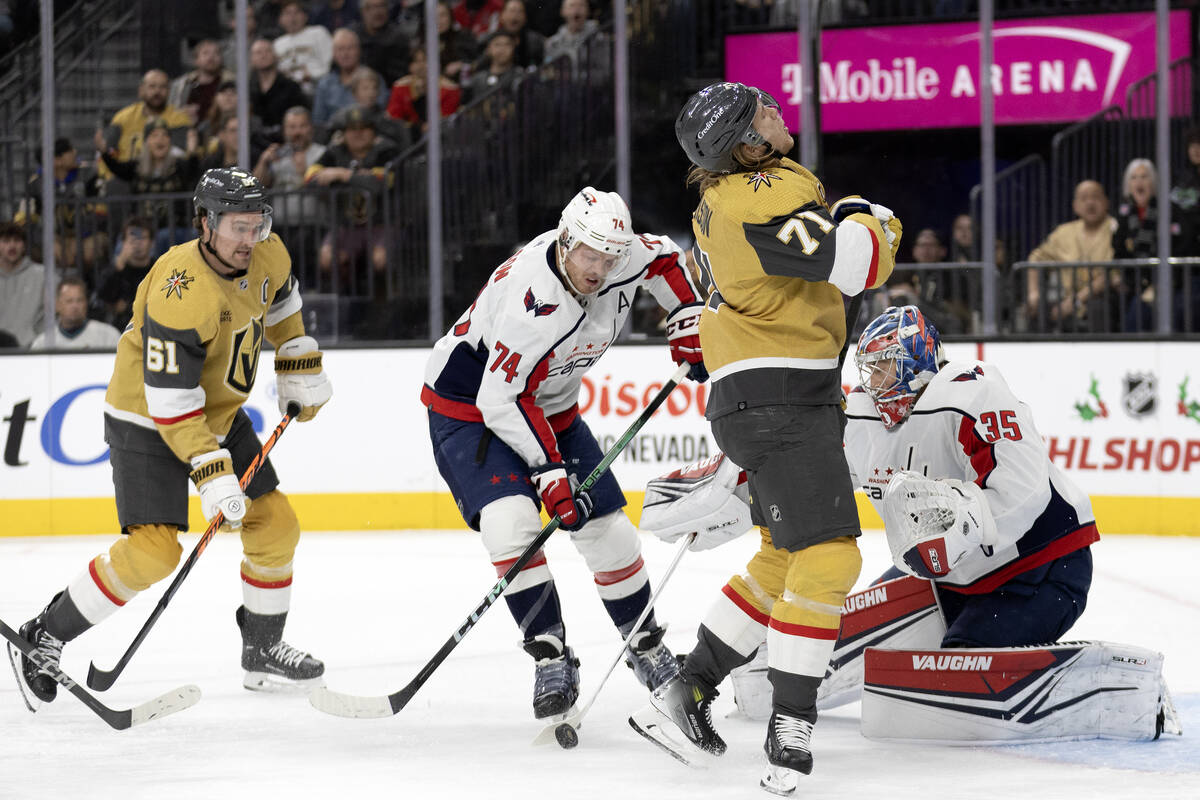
(1064, 692)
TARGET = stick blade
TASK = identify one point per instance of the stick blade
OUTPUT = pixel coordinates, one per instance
(349, 705)
(101, 680)
(547, 735)
(165, 705)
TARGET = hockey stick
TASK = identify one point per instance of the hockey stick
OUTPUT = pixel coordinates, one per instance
(120, 719)
(550, 732)
(346, 705)
(101, 680)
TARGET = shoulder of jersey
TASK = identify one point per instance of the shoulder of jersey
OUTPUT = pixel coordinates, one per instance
(959, 383)
(532, 285)
(858, 404)
(769, 193)
(180, 288)
(272, 255)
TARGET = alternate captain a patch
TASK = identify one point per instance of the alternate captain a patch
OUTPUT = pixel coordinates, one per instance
(177, 282)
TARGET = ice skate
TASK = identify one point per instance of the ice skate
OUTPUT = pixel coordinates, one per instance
(679, 720)
(33, 679)
(555, 677)
(271, 664)
(652, 662)
(788, 753)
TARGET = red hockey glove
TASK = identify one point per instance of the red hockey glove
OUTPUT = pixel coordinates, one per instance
(554, 487)
(683, 336)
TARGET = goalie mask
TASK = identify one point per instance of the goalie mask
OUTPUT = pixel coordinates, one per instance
(601, 221)
(897, 355)
(716, 120)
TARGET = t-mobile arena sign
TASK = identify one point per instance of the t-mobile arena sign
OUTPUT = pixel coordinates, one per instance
(1054, 69)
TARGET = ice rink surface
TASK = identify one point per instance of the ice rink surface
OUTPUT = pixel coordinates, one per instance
(376, 606)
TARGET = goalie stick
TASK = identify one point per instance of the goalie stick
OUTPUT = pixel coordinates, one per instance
(102, 680)
(575, 720)
(119, 719)
(374, 707)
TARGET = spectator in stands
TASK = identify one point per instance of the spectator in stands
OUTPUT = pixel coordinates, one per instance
(1185, 197)
(407, 102)
(334, 14)
(118, 282)
(502, 72)
(384, 45)
(944, 294)
(266, 16)
(361, 161)
(225, 150)
(366, 89)
(271, 92)
(304, 50)
(161, 168)
(530, 45)
(962, 239)
(544, 15)
(1073, 296)
(457, 48)
(78, 238)
(75, 330)
(229, 43)
(130, 122)
(283, 168)
(333, 91)
(193, 91)
(22, 283)
(570, 39)
(478, 17)
(223, 108)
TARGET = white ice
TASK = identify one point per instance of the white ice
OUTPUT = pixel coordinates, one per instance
(376, 606)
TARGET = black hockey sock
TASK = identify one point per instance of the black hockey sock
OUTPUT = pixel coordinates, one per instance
(795, 695)
(62, 618)
(711, 660)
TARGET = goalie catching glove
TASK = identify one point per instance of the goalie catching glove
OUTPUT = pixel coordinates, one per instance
(218, 486)
(709, 498)
(854, 204)
(557, 492)
(683, 336)
(932, 525)
(299, 377)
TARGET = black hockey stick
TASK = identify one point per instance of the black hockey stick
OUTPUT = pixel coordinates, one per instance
(101, 680)
(161, 706)
(346, 705)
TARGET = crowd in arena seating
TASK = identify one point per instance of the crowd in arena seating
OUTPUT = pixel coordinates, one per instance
(337, 93)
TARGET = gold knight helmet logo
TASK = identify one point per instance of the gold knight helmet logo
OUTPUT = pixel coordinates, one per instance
(245, 347)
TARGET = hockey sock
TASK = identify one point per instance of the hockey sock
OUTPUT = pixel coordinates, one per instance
(536, 609)
(710, 660)
(624, 611)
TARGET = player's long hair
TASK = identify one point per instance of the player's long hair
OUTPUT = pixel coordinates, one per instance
(750, 158)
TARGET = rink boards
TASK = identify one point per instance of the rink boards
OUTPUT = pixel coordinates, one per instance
(1122, 419)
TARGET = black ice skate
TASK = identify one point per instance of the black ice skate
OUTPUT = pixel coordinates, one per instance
(788, 753)
(34, 681)
(555, 677)
(689, 706)
(651, 660)
(272, 664)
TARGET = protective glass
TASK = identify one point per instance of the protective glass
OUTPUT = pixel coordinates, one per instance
(250, 227)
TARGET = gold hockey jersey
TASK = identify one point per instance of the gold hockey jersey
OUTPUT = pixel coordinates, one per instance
(776, 266)
(188, 358)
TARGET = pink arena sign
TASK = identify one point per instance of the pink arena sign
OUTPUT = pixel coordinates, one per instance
(1052, 69)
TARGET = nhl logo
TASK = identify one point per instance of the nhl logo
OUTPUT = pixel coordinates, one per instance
(1139, 394)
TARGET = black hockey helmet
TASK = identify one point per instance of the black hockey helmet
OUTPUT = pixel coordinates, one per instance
(230, 190)
(717, 119)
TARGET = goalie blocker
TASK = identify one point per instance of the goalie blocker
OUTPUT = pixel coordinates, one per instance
(1062, 692)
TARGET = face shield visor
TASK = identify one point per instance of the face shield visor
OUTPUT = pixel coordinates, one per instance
(241, 227)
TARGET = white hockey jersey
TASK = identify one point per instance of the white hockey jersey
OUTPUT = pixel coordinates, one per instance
(968, 425)
(515, 359)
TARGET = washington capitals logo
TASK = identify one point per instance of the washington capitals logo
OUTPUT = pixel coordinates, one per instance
(969, 376)
(757, 179)
(175, 284)
(539, 309)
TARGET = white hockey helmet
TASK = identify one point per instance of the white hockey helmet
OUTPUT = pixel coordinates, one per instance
(598, 219)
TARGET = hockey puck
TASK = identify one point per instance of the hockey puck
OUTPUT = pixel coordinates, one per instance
(567, 736)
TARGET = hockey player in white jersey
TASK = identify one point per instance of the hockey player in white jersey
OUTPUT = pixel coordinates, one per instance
(502, 390)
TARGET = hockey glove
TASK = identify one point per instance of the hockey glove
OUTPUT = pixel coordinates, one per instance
(554, 487)
(299, 377)
(707, 498)
(932, 525)
(218, 486)
(683, 336)
(854, 204)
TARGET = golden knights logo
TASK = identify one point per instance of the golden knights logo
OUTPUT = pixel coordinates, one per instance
(243, 356)
(178, 281)
(1139, 395)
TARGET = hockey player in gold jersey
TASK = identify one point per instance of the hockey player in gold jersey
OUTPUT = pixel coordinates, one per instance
(185, 365)
(776, 260)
